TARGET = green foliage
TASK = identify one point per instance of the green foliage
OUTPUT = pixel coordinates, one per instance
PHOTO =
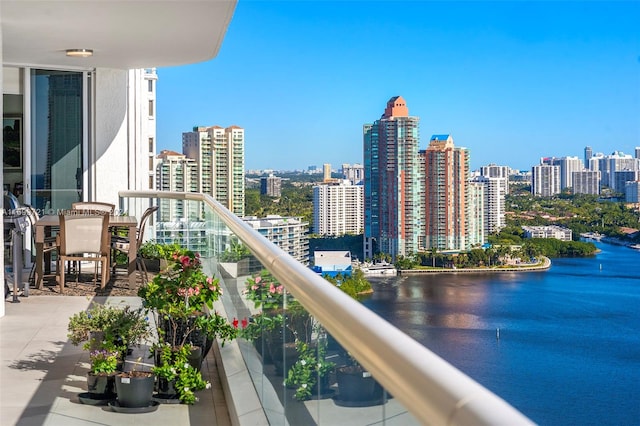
(153, 250)
(174, 366)
(296, 200)
(308, 369)
(264, 291)
(552, 247)
(116, 324)
(183, 288)
(236, 252)
(354, 285)
(105, 360)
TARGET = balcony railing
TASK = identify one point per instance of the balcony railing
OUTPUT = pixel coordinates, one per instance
(419, 387)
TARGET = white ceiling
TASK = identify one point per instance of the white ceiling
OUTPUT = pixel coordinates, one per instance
(123, 34)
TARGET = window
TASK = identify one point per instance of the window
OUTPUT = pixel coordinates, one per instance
(150, 108)
(150, 86)
(151, 147)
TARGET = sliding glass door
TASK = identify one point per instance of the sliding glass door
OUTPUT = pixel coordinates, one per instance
(58, 106)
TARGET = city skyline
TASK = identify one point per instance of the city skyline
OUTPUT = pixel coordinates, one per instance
(510, 81)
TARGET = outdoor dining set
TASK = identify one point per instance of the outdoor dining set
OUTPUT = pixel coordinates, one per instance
(91, 232)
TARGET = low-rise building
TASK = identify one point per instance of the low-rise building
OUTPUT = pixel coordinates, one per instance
(288, 233)
(550, 231)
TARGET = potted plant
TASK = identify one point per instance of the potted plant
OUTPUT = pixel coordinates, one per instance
(309, 375)
(276, 327)
(101, 376)
(135, 390)
(156, 255)
(178, 378)
(122, 326)
(181, 297)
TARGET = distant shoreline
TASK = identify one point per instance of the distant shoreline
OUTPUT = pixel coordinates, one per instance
(546, 264)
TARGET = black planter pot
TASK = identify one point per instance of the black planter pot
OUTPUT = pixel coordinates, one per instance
(283, 356)
(135, 391)
(101, 386)
(357, 388)
(166, 389)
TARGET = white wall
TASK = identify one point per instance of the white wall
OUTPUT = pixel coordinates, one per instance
(110, 156)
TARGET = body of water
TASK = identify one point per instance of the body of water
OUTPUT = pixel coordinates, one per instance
(568, 347)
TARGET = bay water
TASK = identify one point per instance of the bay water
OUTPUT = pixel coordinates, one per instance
(562, 346)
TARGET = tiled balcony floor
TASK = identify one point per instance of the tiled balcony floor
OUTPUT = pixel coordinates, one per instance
(42, 374)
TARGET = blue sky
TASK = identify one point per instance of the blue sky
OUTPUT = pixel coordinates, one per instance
(512, 81)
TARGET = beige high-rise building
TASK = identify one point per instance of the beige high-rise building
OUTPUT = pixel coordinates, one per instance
(446, 195)
(219, 153)
(175, 172)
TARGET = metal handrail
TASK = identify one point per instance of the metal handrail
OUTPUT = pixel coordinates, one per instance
(431, 389)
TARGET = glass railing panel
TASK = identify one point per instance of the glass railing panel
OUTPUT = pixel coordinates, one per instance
(276, 333)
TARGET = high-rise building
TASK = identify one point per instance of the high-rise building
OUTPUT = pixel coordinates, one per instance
(632, 192)
(476, 214)
(354, 173)
(588, 153)
(392, 183)
(545, 180)
(271, 185)
(219, 153)
(446, 177)
(495, 190)
(338, 209)
(586, 182)
(175, 172)
(493, 170)
(568, 165)
(621, 177)
(609, 164)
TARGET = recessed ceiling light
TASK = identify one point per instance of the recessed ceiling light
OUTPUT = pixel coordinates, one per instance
(79, 53)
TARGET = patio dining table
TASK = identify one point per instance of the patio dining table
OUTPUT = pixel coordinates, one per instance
(46, 223)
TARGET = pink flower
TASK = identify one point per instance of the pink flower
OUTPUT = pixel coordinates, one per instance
(258, 279)
(272, 288)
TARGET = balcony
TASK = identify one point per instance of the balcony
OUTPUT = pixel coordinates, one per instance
(414, 385)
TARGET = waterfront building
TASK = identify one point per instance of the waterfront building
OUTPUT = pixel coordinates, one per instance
(586, 182)
(392, 210)
(551, 231)
(545, 180)
(338, 209)
(495, 171)
(332, 263)
(288, 233)
(354, 173)
(219, 153)
(476, 213)
(495, 190)
(271, 185)
(175, 172)
(446, 177)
